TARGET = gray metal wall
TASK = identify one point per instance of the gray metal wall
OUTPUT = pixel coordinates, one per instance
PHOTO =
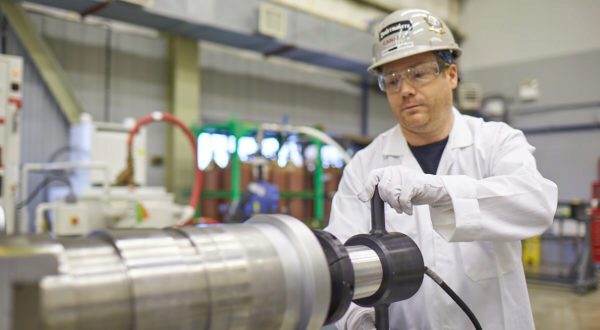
(304, 30)
(516, 31)
(138, 86)
(551, 41)
(114, 75)
(80, 49)
(256, 89)
(380, 117)
(566, 82)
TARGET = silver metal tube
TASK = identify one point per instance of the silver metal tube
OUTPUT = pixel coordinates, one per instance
(269, 273)
(368, 272)
(92, 288)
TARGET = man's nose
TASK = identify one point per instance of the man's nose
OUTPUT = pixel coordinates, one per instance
(406, 89)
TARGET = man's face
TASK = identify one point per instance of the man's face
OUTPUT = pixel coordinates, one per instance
(425, 109)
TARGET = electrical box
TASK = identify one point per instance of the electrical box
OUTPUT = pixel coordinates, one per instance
(107, 143)
(529, 90)
(470, 96)
(11, 92)
(71, 220)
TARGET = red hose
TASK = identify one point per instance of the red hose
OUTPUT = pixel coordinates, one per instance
(167, 117)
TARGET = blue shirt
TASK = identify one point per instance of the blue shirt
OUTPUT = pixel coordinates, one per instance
(429, 155)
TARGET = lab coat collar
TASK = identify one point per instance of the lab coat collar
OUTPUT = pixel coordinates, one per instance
(460, 137)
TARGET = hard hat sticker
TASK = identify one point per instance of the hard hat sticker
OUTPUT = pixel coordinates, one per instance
(402, 26)
(390, 41)
(396, 48)
(435, 24)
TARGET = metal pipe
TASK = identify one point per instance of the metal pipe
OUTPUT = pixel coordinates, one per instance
(319, 189)
(368, 272)
(269, 273)
(22, 217)
(48, 167)
(312, 132)
(326, 139)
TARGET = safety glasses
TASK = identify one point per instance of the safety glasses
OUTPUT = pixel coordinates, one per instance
(416, 76)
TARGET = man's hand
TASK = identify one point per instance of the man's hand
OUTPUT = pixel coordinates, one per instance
(402, 187)
(361, 319)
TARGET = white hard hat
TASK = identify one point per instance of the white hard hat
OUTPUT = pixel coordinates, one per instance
(408, 32)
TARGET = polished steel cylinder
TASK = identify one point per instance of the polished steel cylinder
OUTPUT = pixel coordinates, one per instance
(269, 273)
(368, 272)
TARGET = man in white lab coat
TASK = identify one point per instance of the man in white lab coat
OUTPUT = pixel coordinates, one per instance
(466, 191)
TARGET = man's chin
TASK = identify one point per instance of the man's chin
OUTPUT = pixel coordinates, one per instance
(414, 120)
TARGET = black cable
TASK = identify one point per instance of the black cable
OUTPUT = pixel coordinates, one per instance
(107, 73)
(54, 156)
(437, 279)
(47, 180)
(63, 175)
(63, 150)
(4, 27)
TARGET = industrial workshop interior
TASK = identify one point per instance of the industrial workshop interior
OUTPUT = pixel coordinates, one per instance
(299, 164)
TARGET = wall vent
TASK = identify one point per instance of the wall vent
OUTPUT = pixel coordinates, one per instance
(272, 21)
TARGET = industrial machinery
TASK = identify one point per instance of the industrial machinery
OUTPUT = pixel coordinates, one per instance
(128, 174)
(271, 272)
(93, 141)
(87, 201)
(11, 82)
(563, 255)
(259, 197)
(302, 191)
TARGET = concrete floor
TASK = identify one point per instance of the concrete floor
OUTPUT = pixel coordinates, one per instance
(563, 309)
(557, 308)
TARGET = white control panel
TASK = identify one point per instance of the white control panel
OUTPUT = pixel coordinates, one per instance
(11, 92)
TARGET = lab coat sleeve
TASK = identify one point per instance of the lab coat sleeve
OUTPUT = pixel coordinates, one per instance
(513, 203)
(349, 216)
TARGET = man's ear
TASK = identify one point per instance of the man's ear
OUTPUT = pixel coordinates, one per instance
(452, 74)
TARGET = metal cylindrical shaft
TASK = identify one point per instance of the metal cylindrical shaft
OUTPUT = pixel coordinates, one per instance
(401, 263)
(368, 272)
(267, 274)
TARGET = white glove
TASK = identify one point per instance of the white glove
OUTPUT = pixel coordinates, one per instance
(402, 187)
(361, 319)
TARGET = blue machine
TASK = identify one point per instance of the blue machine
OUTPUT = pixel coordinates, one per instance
(259, 197)
(263, 198)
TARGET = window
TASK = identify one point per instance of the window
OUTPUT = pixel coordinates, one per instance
(219, 147)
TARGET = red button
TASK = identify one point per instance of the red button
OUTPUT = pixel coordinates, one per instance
(15, 101)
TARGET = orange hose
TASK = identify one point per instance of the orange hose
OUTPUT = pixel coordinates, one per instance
(167, 117)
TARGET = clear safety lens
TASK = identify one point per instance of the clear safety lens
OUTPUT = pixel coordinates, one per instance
(416, 76)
